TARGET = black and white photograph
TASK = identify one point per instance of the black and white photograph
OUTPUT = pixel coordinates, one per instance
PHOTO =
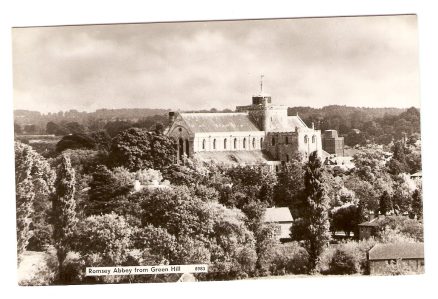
(246, 149)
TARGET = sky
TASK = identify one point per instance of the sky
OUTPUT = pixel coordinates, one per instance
(354, 61)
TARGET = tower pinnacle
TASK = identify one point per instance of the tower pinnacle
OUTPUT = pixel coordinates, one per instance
(261, 84)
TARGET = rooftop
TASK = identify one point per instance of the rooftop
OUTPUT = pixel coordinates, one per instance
(278, 215)
(219, 122)
(397, 251)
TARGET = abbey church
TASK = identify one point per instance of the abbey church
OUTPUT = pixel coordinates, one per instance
(256, 133)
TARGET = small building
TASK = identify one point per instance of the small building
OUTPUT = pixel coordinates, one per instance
(332, 143)
(369, 228)
(382, 256)
(283, 218)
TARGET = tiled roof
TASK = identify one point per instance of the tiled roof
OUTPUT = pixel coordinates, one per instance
(278, 215)
(219, 122)
(287, 125)
(397, 251)
(233, 157)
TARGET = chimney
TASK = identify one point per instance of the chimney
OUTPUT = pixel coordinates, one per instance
(171, 117)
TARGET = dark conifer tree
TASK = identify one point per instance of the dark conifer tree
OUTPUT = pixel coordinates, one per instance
(64, 212)
(315, 210)
(385, 203)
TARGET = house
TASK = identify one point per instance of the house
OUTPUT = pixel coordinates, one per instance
(283, 218)
(254, 134)
(369, 228)
(408, 256)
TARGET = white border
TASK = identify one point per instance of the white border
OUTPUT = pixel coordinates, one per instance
(44, 12)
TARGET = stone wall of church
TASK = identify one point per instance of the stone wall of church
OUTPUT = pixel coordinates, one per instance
(283, 146)
(228, 141)
(184, 139)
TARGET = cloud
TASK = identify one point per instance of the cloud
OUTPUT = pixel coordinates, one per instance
(360, 61)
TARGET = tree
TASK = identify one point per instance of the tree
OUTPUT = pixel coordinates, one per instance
(105, 190)
(398, 163)
(346, 218)
(64, 211)
(417, 203)
(102, 140)
(138, 149)
(75, 141)
(385, 203)
(288, 191)
(343, 263)
(75, 128)
(315, 209)
(55, 129)
(33, 177)
(115, 127)
(17, 129)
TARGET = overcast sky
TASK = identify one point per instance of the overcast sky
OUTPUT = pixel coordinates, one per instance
(356, 61)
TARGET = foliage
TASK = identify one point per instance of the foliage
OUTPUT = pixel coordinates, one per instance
(397, 267)
(137, 149)
(64, 211)
(75, 141)
(342, 263)
(346, 218)
(255, 182)
(400, 228)
(289, 258)
(102, 140)
(33, 179)
(352, 254)
(417, 203)
(105, 188)
(108, 236)
(288, 191)
(379, 125)
(315, 211)
(385, 203)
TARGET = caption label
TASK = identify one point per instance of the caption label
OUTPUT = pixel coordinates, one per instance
(139, 270)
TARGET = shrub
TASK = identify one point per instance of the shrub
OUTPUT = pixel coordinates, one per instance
(289, 258)
(343, 262)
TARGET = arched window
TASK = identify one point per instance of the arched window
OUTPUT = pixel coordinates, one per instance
(225, 143)
(244, 142)
(214, 143)
(286, 140)
(261, 142)
(203, 144)
(273, 140)
(235, 143)
(306, 139)
(287, 158)
(253, 143)
(313, 139)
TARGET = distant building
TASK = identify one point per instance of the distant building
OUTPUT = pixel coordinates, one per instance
(410, 255)
(332, 143)
(260, 132)
(283, 218)
(371, 227)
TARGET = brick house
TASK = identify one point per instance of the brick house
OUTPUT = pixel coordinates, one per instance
(382, 256)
